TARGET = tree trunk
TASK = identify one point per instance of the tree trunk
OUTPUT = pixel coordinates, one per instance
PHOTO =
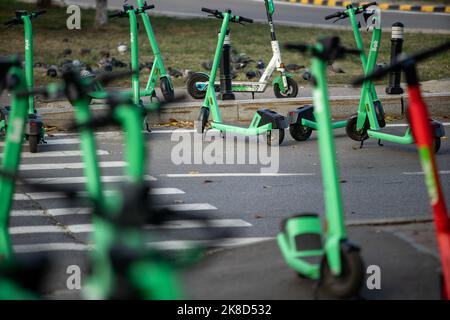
(101, 14)
(44, 3)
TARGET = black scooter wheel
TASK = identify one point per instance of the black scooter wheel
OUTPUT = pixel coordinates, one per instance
(436, 144)
(2, 117)
(275, 137)
(167, 90)
(292, 91)
(380, 114)
(357, 135)
(33, 142)
(349, 282)
(202, 120)
(192, 88)
(300, 132)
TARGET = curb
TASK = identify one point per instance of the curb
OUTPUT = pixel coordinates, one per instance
(383, 6)
(389, 221)
(59, 114)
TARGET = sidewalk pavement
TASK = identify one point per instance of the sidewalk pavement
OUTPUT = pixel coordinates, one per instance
(344, 101)
(407, 255)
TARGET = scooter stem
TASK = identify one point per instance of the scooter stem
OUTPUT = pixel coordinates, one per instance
(29, 63)
(330, 175)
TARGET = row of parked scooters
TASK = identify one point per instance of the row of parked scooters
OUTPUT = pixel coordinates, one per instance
(120, 255)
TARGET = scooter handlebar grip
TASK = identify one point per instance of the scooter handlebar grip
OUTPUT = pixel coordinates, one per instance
(352, 51)
(148, 7)
(209, 11)
(334, 15)
(369, 4)
(243, 19)
(374, 75)
(11, 22)
(116, 15)
(38, 13)
(298, 47)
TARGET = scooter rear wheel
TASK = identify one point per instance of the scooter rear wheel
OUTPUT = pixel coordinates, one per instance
(33, 142)
(275, 139)
(167, 90)
(291, 92)
(349, 282)
(300, 132)
(357, 135)
(192, 88)
(2, 117)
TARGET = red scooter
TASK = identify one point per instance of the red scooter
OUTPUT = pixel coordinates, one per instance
(423, 136)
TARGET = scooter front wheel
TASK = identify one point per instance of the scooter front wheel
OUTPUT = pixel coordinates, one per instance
(300, 132)
(380, 114)
(193, 91)
(202, 120)
(436, 144)
(357, 135)
(167, 90)
(33, 142)
(275, 137)
(349, 282)
(291, 92)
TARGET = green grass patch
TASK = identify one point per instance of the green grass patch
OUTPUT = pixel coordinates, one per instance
(185, 43)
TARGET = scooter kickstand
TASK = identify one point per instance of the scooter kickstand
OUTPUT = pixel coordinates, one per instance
(253, 95)
(361, 145)
(379, 143)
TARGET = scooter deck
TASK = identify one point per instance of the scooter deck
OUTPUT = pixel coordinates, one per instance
(101, 95)
(240, 129)
(407, 138)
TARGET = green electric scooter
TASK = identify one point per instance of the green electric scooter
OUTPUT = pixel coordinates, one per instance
(284, 85)
(326, 256)
(34, 131)
(122, 266)
(302, 121)
(370, 119)
(12, 78)
(158, 69)
(265, 121)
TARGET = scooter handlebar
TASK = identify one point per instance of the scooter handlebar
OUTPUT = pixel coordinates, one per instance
(413, 59)
(343, 14)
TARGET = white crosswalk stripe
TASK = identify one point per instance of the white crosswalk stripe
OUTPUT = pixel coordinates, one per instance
(53, 154)
(75, 211)
(55, 142)
(77, 165)
(73, 180)
(162, 245)
(56, 195)
(88, 228)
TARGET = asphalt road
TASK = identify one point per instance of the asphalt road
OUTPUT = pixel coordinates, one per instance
(287, 13)
(377, 183)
